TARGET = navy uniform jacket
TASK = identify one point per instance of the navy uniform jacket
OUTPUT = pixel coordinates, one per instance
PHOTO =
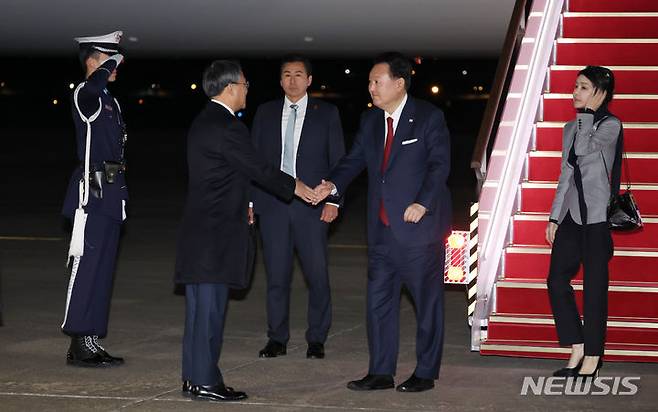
(417, 171)
(214, 241)
(321, 145)
(107, 141)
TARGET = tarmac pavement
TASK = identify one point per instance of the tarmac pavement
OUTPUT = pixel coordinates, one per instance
(146, 324)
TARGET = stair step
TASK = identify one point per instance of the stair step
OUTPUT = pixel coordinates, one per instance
(610, 25)
(627, 265)
(547, 350)
(638, 137)
(607, 52)
(613, 5)
(628, 107)
(628, 79)
(537, 197)
(545, 167)
(530, 230)
(542, 329)
(531, 298)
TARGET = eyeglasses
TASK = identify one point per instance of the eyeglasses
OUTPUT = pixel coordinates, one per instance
(245, 84)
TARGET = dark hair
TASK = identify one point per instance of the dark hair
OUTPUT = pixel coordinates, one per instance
(220, 74)
(85, 54)
(398, 66)
(602, 79)
(296, 58)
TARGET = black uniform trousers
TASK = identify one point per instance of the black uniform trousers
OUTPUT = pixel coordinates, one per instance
(284, 230)
(90, 285)
(592, 246)
(205, 312)
(420, 270)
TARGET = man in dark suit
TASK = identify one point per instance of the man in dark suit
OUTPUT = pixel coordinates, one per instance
(303, 137)
(213, 247)
(405, 145)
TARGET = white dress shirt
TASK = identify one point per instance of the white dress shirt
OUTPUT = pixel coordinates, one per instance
(396, 117)
(225, 106)
(397, 113)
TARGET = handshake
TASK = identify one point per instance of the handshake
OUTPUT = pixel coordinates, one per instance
(313, 196)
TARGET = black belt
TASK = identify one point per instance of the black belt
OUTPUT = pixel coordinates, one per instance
(120, 167)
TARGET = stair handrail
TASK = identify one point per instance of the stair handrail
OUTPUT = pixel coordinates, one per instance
(510, 151)
(504, 71)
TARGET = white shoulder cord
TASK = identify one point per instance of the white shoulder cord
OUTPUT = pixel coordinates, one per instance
(83, 193)
(76, 247)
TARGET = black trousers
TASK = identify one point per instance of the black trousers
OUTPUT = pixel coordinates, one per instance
(589, 245)
(205, 313)
(285, 229)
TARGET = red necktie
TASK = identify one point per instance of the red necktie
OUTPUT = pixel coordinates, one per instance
(387, 153)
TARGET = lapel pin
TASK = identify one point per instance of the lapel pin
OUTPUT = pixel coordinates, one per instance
(411, 120)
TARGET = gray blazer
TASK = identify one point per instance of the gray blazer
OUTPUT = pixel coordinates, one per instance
(594, 142)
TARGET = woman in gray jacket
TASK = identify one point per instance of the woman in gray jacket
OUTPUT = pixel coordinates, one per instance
(578, 229)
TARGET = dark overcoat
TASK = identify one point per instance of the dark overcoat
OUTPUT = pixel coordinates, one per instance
(214, 241)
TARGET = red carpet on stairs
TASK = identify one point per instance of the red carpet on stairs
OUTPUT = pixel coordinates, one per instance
(641, 108)
(628, 79)
(625, 6)
(622, 35)
(638, 137)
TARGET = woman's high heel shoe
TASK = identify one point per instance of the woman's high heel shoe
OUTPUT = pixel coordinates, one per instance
(567, 372)
(594, 374)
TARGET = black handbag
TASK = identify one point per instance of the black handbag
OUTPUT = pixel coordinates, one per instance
(623, 212)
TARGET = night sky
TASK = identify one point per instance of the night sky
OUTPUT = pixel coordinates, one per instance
(159, 104)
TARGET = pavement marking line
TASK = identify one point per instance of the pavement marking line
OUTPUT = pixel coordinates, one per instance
(133, 401)
(344, 331)
(299, 406)
(344, 246)
(68, 396)
(137, 400)
(32, 238)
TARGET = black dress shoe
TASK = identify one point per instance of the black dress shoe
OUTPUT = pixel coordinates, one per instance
(216, 393)
(315, 350)
(371, 382)
(272, 350)
(83, 353)
(415, 384)
(186, 390)
(568, 372)
(94, 361)
(114, 360)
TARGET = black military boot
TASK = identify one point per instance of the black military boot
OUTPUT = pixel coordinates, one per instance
(115, 361)
(82, 352)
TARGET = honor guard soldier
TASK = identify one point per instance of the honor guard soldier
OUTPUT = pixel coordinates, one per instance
(95, 202)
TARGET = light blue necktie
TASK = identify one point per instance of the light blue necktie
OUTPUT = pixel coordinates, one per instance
(289, 143)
